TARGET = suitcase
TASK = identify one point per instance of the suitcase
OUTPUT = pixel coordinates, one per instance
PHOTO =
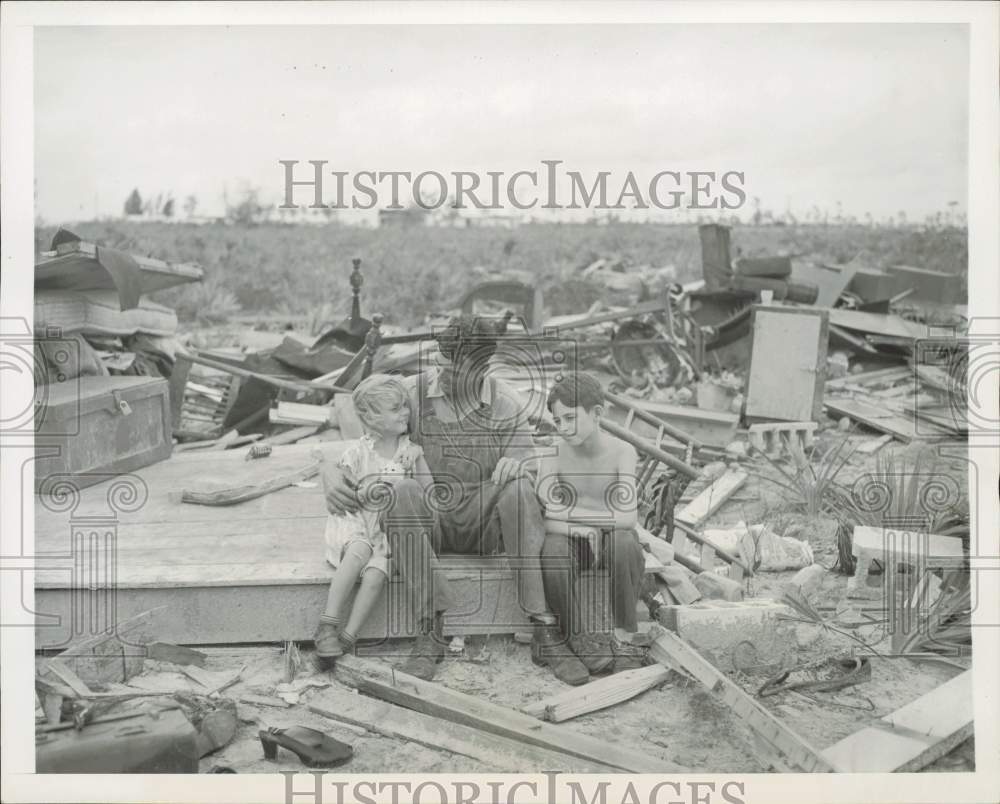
(91, 427)
(141, 742)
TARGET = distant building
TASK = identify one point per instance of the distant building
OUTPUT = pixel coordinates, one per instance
(411, 216)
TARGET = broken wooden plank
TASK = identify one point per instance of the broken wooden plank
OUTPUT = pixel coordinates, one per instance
(879, 418)
(404, 724)
(673, 652)
(712, 498)
(598, 694)
(239, 494)
(400, 688)
(911, 737)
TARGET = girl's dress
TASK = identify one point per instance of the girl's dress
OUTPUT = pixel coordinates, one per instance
(361, 461)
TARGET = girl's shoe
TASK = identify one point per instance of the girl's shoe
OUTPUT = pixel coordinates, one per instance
(314, 748)
(327, 639)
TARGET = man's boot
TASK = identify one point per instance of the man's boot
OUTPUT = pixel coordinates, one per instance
(426, 653)
(548, 648)
(594, 650)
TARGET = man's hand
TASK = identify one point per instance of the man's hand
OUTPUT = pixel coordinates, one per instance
(341, 492)
(508, 469)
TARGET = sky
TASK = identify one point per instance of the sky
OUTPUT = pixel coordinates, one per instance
(871, 117)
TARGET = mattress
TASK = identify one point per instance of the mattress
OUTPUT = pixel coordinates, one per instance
(97, 312)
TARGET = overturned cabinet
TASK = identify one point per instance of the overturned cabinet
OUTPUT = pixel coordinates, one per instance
(787, 364)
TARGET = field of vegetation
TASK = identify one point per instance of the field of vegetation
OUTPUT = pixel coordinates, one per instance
(411, 272)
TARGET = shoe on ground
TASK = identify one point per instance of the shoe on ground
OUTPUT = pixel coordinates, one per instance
(549, 649)
(595, 651)
(327, 640)
(423, 659)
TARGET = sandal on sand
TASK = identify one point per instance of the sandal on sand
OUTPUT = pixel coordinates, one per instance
(314, 748)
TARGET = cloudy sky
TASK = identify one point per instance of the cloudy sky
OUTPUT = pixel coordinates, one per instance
(871, 116)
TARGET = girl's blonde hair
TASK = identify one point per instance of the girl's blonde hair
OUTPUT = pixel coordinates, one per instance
(379, 394)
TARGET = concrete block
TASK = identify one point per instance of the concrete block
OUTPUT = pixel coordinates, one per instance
(749, 636)
(715, 587)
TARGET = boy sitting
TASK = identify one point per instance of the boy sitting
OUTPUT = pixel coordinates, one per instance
(588, 493)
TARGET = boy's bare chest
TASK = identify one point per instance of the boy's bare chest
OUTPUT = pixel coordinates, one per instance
(590, 476)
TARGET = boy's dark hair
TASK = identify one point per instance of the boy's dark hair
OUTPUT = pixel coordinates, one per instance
(470, 333)
(577, 391)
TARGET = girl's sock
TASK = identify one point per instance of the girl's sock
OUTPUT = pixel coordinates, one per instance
(330, 619)
(347, 641)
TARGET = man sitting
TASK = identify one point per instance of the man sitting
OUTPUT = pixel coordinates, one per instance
(476, 440)
(589, 494)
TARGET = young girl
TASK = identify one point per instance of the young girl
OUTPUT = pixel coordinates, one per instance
(355, 543)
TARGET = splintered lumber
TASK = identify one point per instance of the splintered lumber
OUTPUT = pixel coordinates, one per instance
(711, 498)
(403, 724)
(597, 694)
(239, 494)
(264, 700)
(385, 682)
(911, 737)
(673, 652)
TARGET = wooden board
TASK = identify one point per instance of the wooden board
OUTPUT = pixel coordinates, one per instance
(673, 652)
(873, 445)
(598, 694)
(696, 512)
(911, 737)
(888, 375)
(382, 681)
(883, 420)
(787, 364)
(396, 722)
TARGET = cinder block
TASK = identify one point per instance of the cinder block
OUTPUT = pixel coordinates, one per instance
(750, 636)
(715, 587)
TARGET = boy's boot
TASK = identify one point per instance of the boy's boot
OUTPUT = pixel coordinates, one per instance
(548, 648)
(427, 652)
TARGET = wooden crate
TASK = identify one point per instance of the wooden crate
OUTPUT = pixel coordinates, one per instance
(95, 426)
